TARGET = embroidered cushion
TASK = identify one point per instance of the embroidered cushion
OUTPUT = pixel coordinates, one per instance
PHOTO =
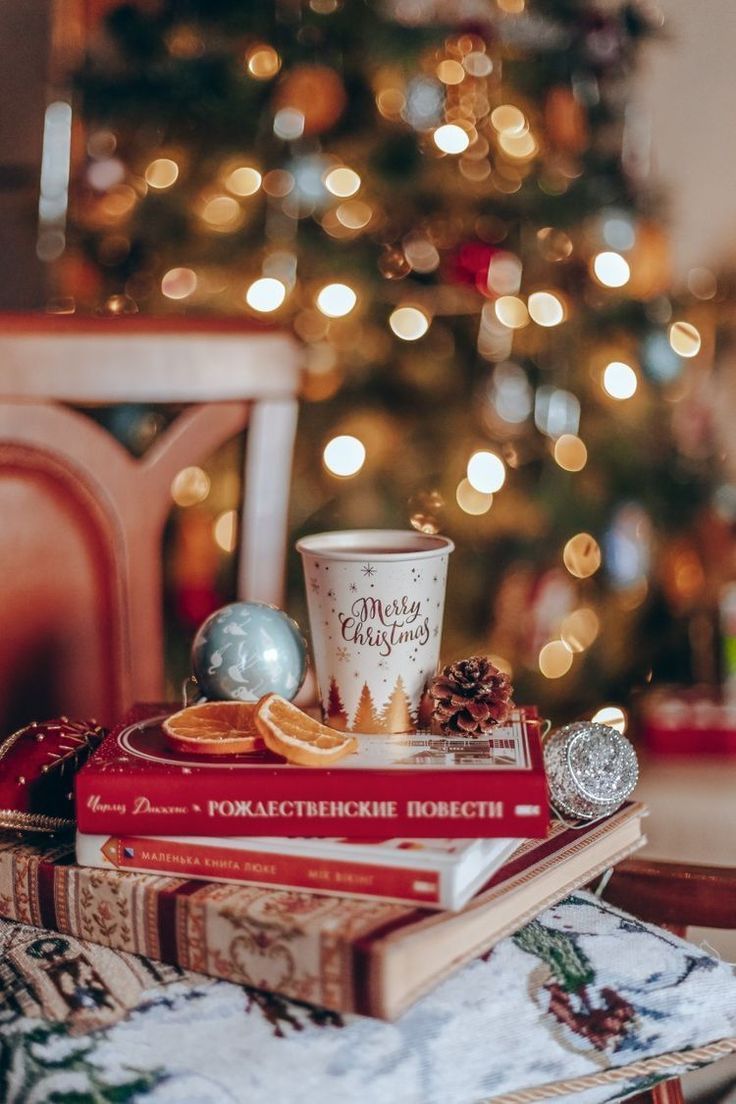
(585, 1003)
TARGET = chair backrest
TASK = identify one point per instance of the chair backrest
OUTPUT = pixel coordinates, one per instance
(81, 620)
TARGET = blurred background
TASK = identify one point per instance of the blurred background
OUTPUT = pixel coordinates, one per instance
(502, 231)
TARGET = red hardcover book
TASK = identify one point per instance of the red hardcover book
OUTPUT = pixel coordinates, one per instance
(413, 785)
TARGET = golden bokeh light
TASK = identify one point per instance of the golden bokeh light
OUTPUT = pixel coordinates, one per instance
(451, 138)
(262, 62)
(450, 72)
(521, 147)
(512, 312)
(179, 283)
(342, 182)
(225, 530)
(685, 339)
(266, 294)
(582, 555)
(222, 212)
(190, 486)
(278, 183)
(508, 119)
(344, 456)
(570, 452)
(161, 173)
(620, 381)
(409, 323)
(555, 659)
(611, 269)
(354, 215)
(511, 7)
(336, 300)
(580, 628)
(546, 309)
(478, 64)
(472, 501)
(486, 472)
(243, 181)
(612, 715)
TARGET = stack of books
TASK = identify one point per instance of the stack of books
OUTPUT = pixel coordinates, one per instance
(356, 887)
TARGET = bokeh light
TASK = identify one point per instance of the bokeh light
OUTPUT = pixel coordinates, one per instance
(486, 472)
(570, 452)
(620, 381)
(190, 486)
(179, 283)
(265, 294)
(512, 312)
(225, 530)
(222, 212)
(582, 555)
(450, 72)
(243, 181)
(161, 173)
(409, 323)
(508, 119)
(472, 501)
(451, 138)
(336, 300)
(612, 715)
(611, 269)
(344, 456)
(262, 62)
(545, 308)
(555, 659)
(685, 339)
(288, 123)
(342, 182)
(580, 628)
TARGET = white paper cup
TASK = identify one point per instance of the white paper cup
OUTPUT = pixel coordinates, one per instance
(376, 599)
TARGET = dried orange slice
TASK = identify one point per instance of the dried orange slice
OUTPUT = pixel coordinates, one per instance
(214, 728)
(298, 737)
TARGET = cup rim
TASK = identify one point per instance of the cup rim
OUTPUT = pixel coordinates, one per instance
(335, 545)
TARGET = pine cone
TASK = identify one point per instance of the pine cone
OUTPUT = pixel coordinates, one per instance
(471, 697)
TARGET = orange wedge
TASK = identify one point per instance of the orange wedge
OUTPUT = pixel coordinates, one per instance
(299, 738)
(214, 728)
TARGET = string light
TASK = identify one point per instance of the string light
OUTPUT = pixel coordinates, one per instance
(582, 555)
(472, 501)
(161, 173)
(190, 486)
(265, 294)
(611, 269)
(342, 182)
(225, 530)
(546, 309)
(685, 339)
(336, 300)
(451, 138)
(620, 381)
(409, 323)
(179, 283)
(243, 181)
(611, 715)
(580, 628)
(512, 312)
(263, 62)
(555, 659)
(570, 452)
(486, 472)
(344, 456)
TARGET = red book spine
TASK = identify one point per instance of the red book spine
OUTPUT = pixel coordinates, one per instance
(221, 863)
(300, 802)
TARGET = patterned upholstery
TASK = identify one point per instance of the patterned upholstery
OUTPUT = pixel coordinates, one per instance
(585, 1004)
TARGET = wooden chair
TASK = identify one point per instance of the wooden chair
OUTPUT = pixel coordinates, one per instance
(675, 896)
(80, 547)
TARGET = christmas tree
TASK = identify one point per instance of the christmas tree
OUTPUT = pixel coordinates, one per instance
(366, 719)
(443, 202)
(396, 716)
(336, 715)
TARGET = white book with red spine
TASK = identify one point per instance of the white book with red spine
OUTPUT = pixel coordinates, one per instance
(434, 873)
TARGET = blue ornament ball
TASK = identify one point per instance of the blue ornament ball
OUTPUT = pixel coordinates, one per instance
(246, 650)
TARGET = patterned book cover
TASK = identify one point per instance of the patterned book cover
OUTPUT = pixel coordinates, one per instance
(413, 784)
(363, 956)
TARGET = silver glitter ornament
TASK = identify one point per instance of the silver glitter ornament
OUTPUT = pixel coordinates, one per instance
(591, 769)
